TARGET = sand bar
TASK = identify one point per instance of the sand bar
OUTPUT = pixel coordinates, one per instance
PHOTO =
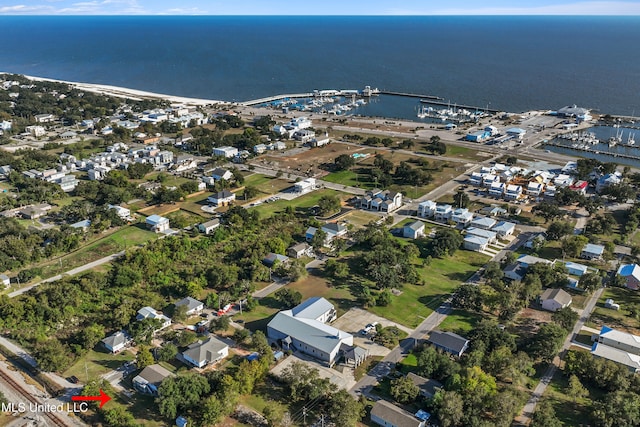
(133, 94)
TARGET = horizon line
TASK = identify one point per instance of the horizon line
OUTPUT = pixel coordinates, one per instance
(324, 15)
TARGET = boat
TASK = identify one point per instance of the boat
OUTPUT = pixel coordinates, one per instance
(617, 139)
(631, 140)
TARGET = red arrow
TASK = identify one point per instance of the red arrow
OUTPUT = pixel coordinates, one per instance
(103, 398)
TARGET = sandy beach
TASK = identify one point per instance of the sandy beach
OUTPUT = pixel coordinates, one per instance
(132, 94)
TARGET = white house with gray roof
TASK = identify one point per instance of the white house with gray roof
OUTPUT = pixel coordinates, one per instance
(413, 230)
(303, 329)
(148, 381)
(387, 414)
(193, 305)
(116, 342)
(202, 353)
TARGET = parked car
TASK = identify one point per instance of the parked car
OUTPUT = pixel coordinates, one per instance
(369, 328)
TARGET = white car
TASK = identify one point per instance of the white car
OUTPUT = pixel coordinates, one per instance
(369, 328)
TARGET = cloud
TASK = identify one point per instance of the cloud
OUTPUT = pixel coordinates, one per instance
(185, 11)
(23, 9)
(577, 8)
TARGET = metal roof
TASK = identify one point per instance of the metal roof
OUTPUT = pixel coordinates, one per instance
(191, 303)
(312, 308)
(309, 331)
(201, 350)
(393, 415)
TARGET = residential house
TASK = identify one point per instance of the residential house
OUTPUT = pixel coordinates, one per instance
(550, 191)
(621, 357)
(202, 353)
(300, 250)
(428, 387)
(555, 299)
(443, 213)
(209, 226)
(449, 342)
(483, 222)
(305, 185)
(527, 260)
(513, 192)
(427, 209)
(222, 198)
(316, 308)
(413, 230)
(535, 240)
(32, 212)
(497, 189)
(36, 131)
(303, 329)
(45, 118)
(123, 213)
(504, 229)
(383, 201)
(148, 381)
(475, 243)
(116, 342)
(490, 236)
(81, 225)
(575, 268)
(493, 211)
(151, 313)
(226, 152)
(304, 135)
(4, 280)
(563, 180)
(489, 179)
(462, 217)
(271, 259)
(515, 271)
(607, 180)
(387, 414)
(534, 188)
(259, 148)
(194, 306)
(475, 179)
(580, 187)
(157, 223)
(621, 340)
(592, 251)
(221, 174)
(631, 274)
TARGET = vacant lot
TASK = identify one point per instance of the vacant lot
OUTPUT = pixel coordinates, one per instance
(621, 319)
(299, 204)
(460, 321)
(360, 218)
(440, 278)
(97, 363)
(310, 161)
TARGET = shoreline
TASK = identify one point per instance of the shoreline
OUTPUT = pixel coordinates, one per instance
(128, 93)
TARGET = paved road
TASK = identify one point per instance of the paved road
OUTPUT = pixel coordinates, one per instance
(525, 418)
(71, 272)
(366, 383)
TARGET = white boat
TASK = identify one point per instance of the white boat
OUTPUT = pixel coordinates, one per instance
(631, 140)
(617, 139)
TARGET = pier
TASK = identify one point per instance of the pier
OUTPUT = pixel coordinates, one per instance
(466, 107)
(411, 95)
(275, 98)
(590, 150)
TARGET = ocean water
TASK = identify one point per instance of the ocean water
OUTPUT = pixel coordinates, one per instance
(507, 63)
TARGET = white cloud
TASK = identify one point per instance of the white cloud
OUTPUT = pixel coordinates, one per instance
(185, 11)
(23, 9)
(577, 8)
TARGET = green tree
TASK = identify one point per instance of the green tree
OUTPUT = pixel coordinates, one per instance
(573, 245)
(250, 192)
(288, 298)
(449, 407)
(344, 162)
(575, 390)
(565, 317)
(144, 357)
(404, 390)
(545, 416)
(336, 269)
(461, 199)
(328, 205)
(547, 342)
(344, 410)
(167, 352)
(618, 409)
(91, 335)
(118, 416)
(52, 355)
(559, 229)
(445, 242)
(318, 240)
(181, 394)
(590, 281)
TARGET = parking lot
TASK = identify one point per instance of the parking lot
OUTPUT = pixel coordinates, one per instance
(354, 322)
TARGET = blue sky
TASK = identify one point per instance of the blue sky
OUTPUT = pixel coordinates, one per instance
(318, 7)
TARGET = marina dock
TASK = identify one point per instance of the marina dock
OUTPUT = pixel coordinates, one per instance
(591, 150)
(276, 98)
(411, 95)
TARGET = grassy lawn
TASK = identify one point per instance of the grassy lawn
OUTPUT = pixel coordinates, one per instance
(409, 363)
(267, 210)
(463, 153)
(460, 321)
(584, 337)
(315, 285)
(360, 218)
(368, 365)
(194, 204)
(257, 319)
(266, 184)
(441, 277)
(616, 319)
(96, 363)
(356, 177)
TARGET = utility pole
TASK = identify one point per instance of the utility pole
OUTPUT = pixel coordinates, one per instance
(304, 415)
